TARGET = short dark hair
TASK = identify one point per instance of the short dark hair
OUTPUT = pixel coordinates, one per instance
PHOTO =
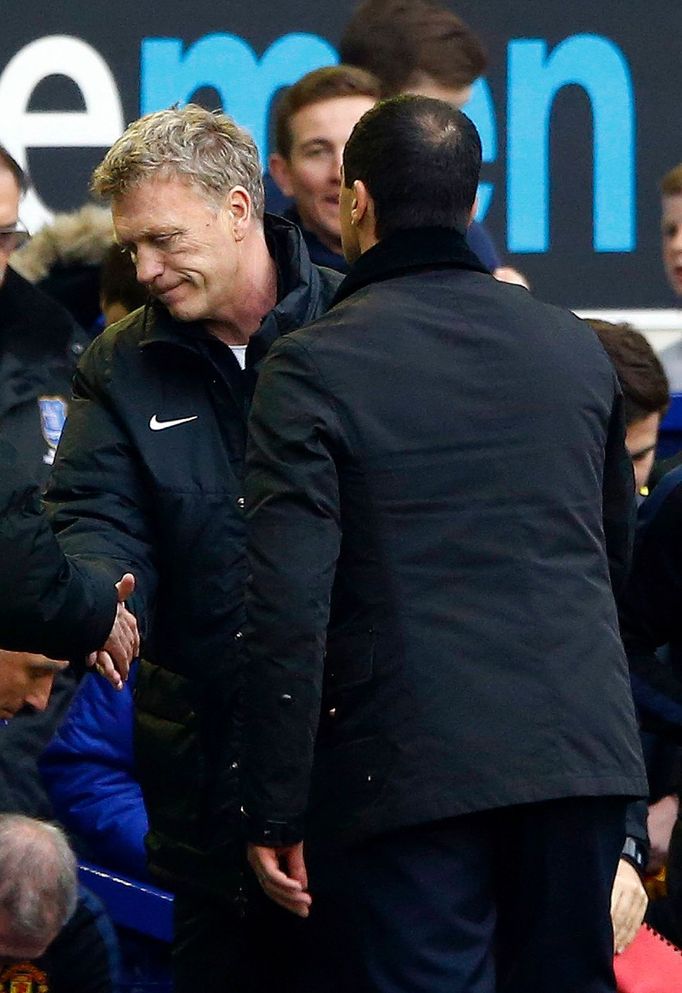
(118, 280)
(419, 159)
(9, 162)
(321, 84)
(639, 370)
(671, 184)
(397, 40)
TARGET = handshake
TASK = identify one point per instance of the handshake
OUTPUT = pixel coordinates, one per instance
(112, 660)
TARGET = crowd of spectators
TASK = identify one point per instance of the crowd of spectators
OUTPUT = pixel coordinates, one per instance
(69, 741)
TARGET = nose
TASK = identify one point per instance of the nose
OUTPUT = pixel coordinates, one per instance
(335, 163)
(39, 694)
(148, 264)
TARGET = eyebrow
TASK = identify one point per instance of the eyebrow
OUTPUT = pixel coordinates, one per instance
(45, 667)
(315, 141)
(641, 452)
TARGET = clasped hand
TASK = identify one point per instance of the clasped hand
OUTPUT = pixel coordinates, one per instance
(113, 659)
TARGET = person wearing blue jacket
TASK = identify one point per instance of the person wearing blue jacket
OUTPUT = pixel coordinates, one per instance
(88, 771)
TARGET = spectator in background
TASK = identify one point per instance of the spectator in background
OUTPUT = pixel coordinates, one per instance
(646, 397)
(39, 343)
(39, 348)
(671, 248)
(63, 260)
(47, 938)
(26, 681)
(645, 391)
(422, 47)
(89, 772)
(120, 293)
(313, 122)
(37, 887)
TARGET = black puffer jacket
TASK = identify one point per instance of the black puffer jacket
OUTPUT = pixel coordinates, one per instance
(47, 604)
(149, 480)
(39, 347)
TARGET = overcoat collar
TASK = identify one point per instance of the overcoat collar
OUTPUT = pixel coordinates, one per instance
(408, 251)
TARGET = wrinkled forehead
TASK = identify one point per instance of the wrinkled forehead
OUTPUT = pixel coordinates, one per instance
(160, 200)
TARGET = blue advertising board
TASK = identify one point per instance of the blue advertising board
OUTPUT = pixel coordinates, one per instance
(578, 112)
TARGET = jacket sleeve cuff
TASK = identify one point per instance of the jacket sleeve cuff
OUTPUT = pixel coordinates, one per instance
(92, 603)
(271, 833)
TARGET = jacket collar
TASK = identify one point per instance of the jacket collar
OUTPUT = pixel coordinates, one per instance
(318, 251)
(298, 288)
(409, 251)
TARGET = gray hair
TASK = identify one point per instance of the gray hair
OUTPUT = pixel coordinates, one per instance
(38, 876)
(207, 148)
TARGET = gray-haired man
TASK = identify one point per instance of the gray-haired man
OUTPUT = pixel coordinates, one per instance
(149, 474)
(38, 886)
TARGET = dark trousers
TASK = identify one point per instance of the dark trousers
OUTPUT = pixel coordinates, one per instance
(508, 901)
(216, 951)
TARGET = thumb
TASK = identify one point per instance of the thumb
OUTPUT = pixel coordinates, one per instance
(125, 587)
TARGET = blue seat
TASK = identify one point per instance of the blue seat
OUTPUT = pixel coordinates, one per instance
(138, 906)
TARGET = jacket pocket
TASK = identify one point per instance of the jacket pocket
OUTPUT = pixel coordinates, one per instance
(168, 751)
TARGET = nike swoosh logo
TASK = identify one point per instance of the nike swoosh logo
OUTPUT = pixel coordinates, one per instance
(157, 425)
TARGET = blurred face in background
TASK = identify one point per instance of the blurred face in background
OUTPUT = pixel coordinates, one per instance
(640, 440)
(671, 234)
(26, 681)
(9, 217)
(423, 85)
(311, 174)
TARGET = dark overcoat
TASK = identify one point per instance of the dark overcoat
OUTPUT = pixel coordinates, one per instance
(437, 489)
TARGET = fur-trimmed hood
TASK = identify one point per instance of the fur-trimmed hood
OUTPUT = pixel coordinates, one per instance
(78, 238)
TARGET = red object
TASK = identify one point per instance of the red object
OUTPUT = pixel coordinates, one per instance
(649, 964)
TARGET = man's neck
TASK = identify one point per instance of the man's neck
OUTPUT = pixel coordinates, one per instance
(253, 297)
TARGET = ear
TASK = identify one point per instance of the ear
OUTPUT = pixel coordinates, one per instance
(361, 205)
(279, 170)
(238, 204)
(473, 211)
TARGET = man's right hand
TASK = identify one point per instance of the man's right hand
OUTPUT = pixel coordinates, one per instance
(123, 644)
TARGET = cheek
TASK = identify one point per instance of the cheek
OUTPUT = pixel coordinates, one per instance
(643, 470)
(309, 180)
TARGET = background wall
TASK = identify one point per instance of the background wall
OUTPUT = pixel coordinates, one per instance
(579, 114)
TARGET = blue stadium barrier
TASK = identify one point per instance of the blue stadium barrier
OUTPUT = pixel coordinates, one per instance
(143, 915)
(670, 436)
(131, 904)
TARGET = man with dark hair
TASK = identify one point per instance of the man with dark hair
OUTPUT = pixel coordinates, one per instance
(119, 291)
(313, 122)
(646, 394)
(414, 46)
(439, 501)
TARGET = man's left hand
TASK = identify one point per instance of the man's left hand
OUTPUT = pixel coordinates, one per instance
(628, 905)
(282, 875)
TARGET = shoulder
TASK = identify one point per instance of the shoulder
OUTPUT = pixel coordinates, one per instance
(38, 314)
(122, 338)
(330, 280)
(662, 511)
